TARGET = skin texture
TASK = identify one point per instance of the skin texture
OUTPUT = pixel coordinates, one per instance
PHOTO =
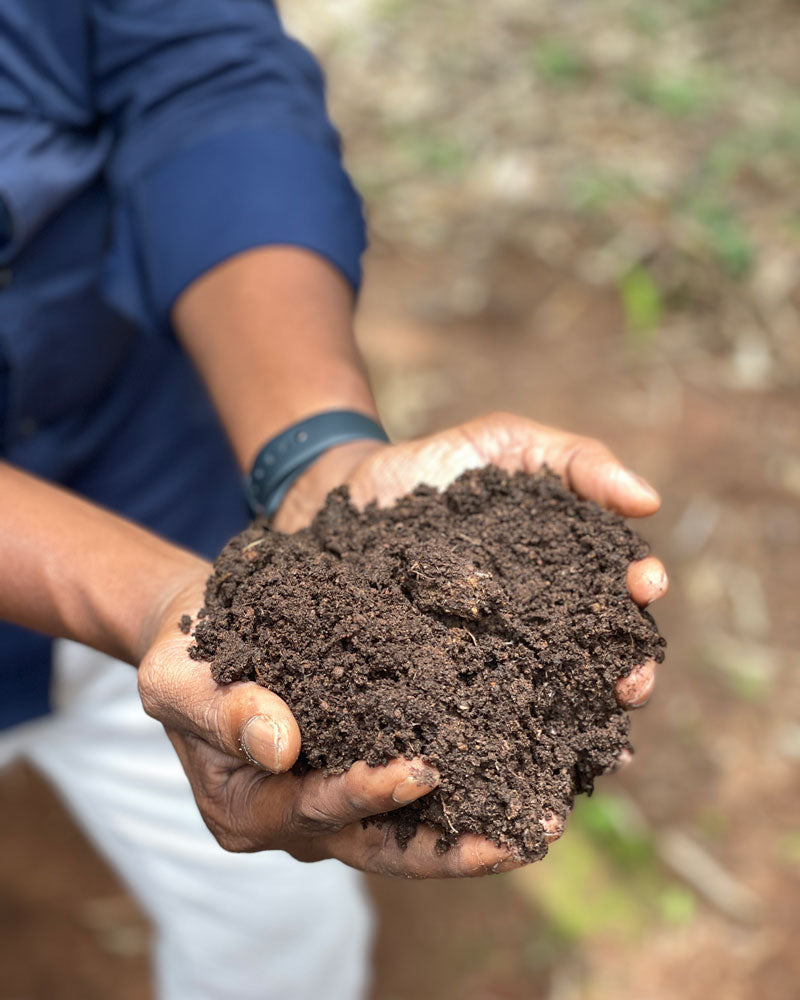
(220, 732)
(271, 332)
(73, 570)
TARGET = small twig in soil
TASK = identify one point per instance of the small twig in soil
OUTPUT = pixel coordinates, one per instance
(446, 814)
(475, 641)
(252, 545)
(466, 538)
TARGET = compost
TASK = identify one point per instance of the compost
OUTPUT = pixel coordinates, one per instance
(482, 628)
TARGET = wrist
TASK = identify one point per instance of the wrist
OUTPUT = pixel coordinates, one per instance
(284, 458)
(333, 468)
(331, 384)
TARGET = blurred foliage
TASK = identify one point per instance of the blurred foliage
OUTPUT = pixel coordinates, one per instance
(676, 95)
(642, 304)
(595, 190)
(788, 848)
(747, 669)
(618, 140)
(558, 61)
(604, 879)
(724, 234)
(713, 823)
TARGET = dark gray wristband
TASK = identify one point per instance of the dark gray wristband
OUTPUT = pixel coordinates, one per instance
(290, 453)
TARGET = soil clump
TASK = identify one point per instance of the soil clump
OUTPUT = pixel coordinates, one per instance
(482, 628)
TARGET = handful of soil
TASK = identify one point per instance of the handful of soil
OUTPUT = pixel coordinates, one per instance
(482, 629)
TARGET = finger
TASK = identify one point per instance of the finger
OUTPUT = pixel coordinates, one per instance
(329, 802)
(593, 472)
(647, 580)
(375, 849)
(242, 719)
(245, 808)
(305, 810)
(634, 690)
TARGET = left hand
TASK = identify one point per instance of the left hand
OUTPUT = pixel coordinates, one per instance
(220, 731)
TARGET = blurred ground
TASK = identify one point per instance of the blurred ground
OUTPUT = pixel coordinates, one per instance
(587, 213)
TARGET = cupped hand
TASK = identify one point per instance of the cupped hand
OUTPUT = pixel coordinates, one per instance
(237, 743)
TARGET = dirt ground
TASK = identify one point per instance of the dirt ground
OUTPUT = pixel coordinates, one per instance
(681, 878)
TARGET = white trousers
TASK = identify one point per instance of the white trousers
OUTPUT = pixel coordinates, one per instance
(228, 927)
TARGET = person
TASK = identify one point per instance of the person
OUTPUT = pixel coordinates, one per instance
(180, 257)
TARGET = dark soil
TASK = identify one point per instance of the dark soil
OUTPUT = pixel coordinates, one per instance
(482, 628)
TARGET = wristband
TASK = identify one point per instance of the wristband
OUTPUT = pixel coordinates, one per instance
(290, 453)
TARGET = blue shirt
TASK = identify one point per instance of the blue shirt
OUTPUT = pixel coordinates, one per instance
(142, 142)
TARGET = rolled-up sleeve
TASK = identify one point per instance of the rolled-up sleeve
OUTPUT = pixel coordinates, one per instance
(221, 143)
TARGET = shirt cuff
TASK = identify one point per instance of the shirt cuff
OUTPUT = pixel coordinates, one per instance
(231, 193)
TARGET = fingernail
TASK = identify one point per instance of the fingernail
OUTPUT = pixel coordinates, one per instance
(638, 686)
(624, 758)
(265, 741)
(642, 485)
(510, 864)
(409, 789)
(658, 581)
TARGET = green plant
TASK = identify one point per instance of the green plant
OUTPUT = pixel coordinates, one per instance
(678, 96)
(558, 61)
(642, 304)
(596, 189)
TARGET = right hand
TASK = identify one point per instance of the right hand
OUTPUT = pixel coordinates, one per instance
(237, 743)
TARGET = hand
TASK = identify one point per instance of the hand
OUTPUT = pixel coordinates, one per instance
(383, 473)
(237, 743)
(220, 732)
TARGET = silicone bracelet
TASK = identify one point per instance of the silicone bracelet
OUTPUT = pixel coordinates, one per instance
(290, 453)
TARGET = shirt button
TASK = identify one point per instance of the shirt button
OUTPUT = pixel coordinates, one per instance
(6, 277)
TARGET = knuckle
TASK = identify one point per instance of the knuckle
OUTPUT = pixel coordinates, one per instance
(583, 448)
(217, 816)
(379, 850)
(149, 689)
(161, 686)
(230, 840)
(212, 720)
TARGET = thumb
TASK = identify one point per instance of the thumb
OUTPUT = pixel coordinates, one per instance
(242, 719)
(258, 724)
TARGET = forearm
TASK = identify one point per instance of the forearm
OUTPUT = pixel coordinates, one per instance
(271, 332)
(73, 570)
